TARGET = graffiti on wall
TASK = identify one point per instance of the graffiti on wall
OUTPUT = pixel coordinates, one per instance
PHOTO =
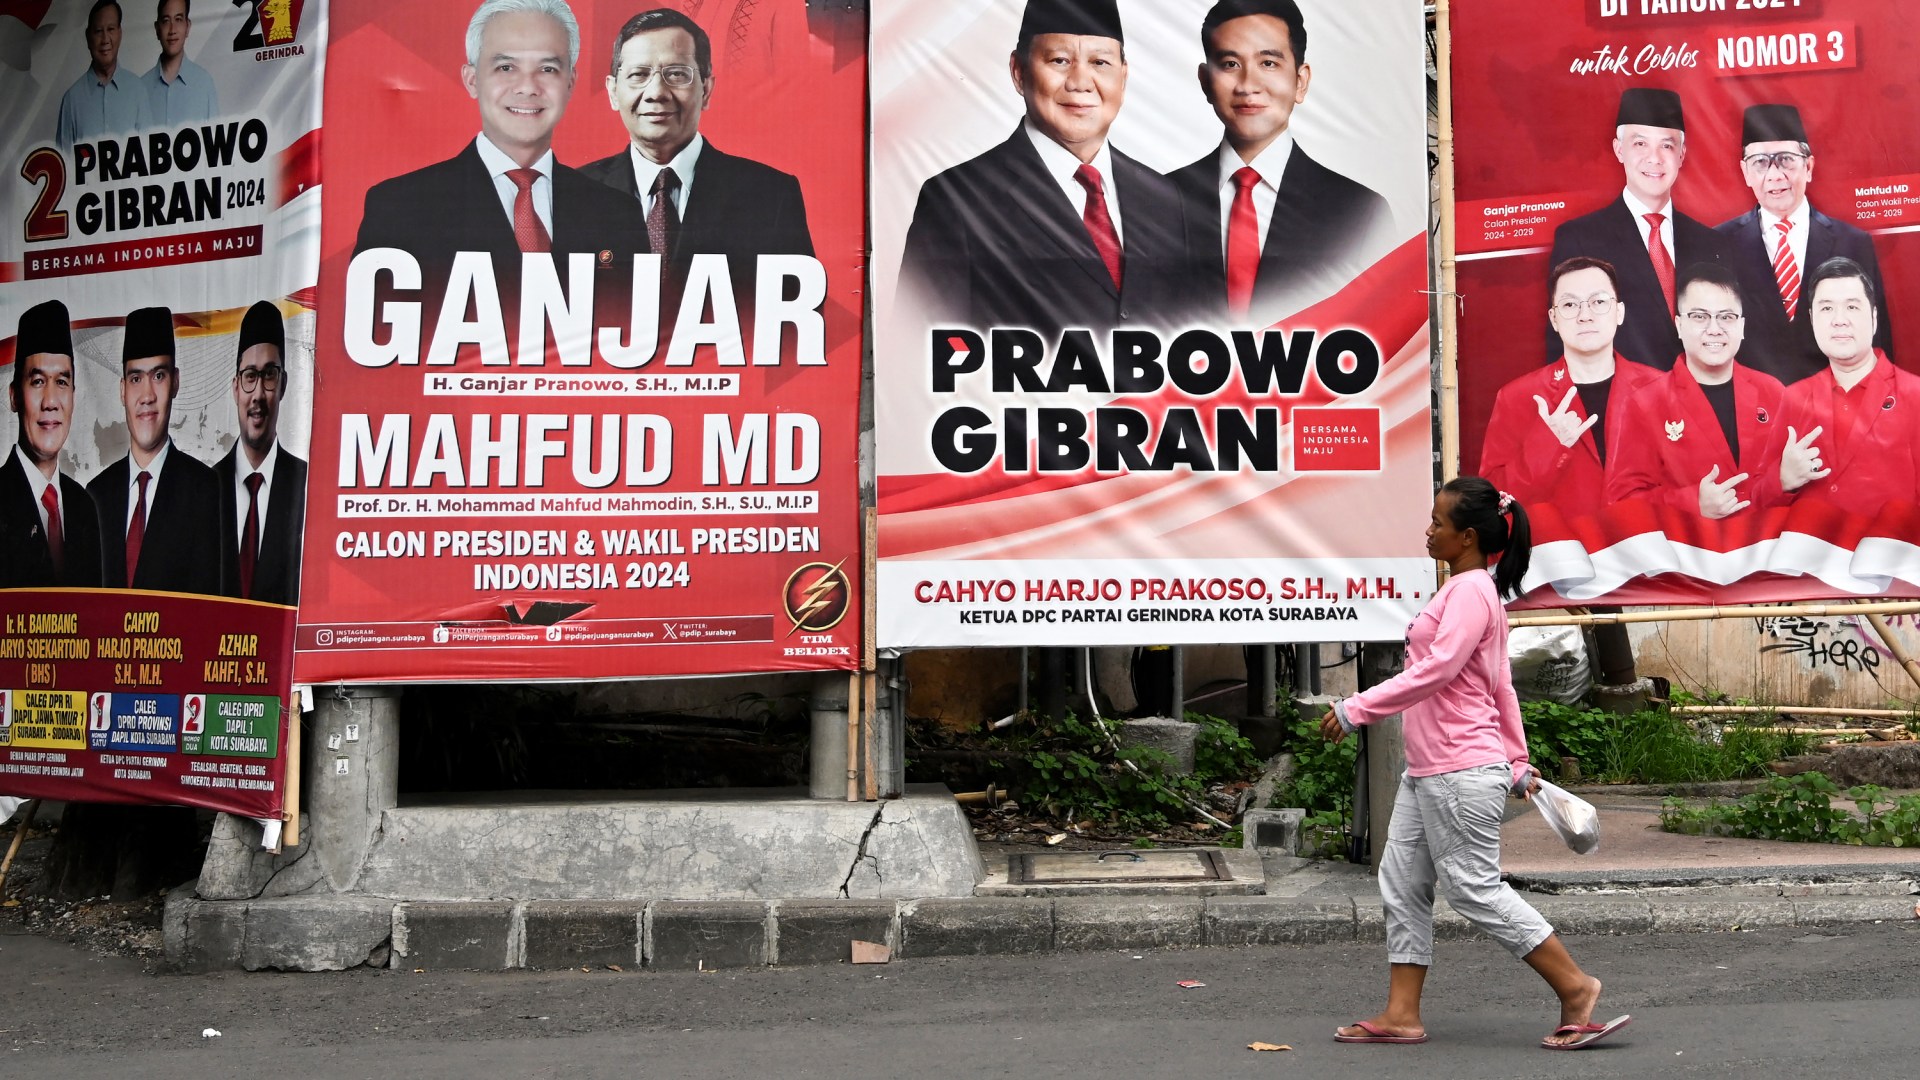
(1848, 643)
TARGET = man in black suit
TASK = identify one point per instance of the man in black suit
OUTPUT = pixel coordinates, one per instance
(697, 200)
(1053, 228)
(504, 194)
(1642, 234)
(1777, 162)
(159, 509)
(263, 487)
(1272, 230)
(49, 534)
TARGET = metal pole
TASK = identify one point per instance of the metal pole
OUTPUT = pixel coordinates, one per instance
(1178, 708)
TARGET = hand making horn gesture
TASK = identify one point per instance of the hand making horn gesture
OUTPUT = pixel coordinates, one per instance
(1566, 425)
(1800, 461)
(1717, 497)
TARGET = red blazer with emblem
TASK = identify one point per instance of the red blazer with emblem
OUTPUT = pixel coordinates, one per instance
(1523, 457)
(1670, 440)
(1880, 460)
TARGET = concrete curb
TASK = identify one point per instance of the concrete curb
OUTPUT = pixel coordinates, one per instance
(329, 933)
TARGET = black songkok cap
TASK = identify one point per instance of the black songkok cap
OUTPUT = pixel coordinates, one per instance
(149, 333)
(1772, 123)
(44, 329)
(262, 326)
(1647, 107)
(1089, 18)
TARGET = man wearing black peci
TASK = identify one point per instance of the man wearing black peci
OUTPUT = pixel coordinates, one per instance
(263, 486)
(49, 532)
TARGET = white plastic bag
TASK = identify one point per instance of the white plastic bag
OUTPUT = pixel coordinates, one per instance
(1572, 818)
(1550, 664)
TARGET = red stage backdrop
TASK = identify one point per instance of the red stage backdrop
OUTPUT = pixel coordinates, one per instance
(591, 431)
(1648, 513)
(157, 267)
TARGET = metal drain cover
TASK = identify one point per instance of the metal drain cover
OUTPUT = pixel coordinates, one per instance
(1116, 867)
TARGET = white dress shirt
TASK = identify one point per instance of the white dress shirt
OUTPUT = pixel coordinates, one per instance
(40, 483)
(152, 469)
(1801, 219)
(1271, 164)
(499, 164)
(1061, 164)
(1639, 210)
(645, 172)
(243, 468)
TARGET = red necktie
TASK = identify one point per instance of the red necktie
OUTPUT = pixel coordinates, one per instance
(137, 528)
(1243, 243)
(662, 219)
(56, 544)
(250, 537)
(1662, 259)
(1786, 271)
(527, 229)
(1099, 224)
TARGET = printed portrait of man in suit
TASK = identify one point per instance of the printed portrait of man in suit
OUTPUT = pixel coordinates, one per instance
(1054, 227)
(263, 486)
(1272, 230)
(49, 532)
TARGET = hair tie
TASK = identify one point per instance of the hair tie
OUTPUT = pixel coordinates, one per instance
(1506, 503)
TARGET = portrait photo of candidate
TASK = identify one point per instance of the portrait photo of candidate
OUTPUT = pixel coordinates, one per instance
(1548, 436)
(179, 91)
(159, 508)
(1705, 437)
(106, 99)
(1774, 245)
(1642, 234)
(504, 193)
(1054, 227)
(1853, 428)
(263, 485)
(697, 199)
(1272, 230)
(49, 532)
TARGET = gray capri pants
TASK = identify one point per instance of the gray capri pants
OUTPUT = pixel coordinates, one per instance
(1450, 824)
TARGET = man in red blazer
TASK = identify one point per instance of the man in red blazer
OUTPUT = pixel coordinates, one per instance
(1853, 430)
(1707, 436)
(1549, 435)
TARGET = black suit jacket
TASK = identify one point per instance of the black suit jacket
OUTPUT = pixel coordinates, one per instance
(1610, 233)
(453, 206)
(180, 551)
(276, 570)
(995, 242)
(736, 207)
(1782, 349)
(1325, 230)
(25, 562)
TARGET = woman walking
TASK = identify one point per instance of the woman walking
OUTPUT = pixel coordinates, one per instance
(1465, 751)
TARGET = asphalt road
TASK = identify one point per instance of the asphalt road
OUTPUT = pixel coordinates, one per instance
(1784, 1003)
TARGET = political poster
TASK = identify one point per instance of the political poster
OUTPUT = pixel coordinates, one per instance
(1688, 280)
(1152, 355)
(157, 269)
(590, 363)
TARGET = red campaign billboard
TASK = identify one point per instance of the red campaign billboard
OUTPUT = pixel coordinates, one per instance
(1722, 412)
(156, 336)
(589, 371)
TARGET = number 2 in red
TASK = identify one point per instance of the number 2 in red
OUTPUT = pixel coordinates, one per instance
(46, 221)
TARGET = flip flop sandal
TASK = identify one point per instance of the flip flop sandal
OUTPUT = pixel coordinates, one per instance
(1376, 1035)
(1589, 1033)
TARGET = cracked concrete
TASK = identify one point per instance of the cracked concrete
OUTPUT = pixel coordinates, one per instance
(860, 852)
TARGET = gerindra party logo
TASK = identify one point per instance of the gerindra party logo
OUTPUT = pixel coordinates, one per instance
(272, 26)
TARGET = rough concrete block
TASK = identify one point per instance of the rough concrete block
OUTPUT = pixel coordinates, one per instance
(1174, 738)
(202, 935)
(1126, 922)
(1827, 910)
(1369, 919)
(1698, 916)
(319, 933)
(235, 868)
(1265, 920)
(577, 933)
(1450, 925)
(707, 933)
(982, 926)
(1595, 914)
(467, 936)
(823, 931)
(1274, 830)
(1279, 769)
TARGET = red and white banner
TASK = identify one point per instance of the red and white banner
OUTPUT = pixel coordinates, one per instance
(1755, 438)
(591, 356)
(1127, 402)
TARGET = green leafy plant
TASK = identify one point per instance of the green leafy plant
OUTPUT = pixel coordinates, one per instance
(1651, 746)
(1322, 785)
(1220, 752)
(1800, 808)
(1075, 773)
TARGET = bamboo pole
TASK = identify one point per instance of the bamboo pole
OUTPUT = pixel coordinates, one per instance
(19, 837)
(869, 660)
(1449, 300)
(853, 736)
(1791, 710)
(1727, 611)
(290, 832)
(1907, 663)
(867, 740)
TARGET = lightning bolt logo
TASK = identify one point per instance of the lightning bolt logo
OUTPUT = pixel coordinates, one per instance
(816, 597)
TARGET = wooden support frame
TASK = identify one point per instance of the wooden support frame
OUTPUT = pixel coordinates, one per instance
(1723, 611)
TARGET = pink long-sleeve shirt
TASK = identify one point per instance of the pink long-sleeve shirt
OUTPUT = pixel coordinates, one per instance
(1455, 696)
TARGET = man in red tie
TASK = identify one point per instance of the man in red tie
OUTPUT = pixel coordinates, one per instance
(49, 534)
(1641, 233)
(503, 193)
(1054, 228)
(1773, 246)
(159, 509)
(263, 485)
(1272, 229)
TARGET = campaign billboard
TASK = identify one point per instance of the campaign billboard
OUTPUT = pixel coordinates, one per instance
(1686, 266)
(1152, 352)
(156, 281)
(590, 363)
